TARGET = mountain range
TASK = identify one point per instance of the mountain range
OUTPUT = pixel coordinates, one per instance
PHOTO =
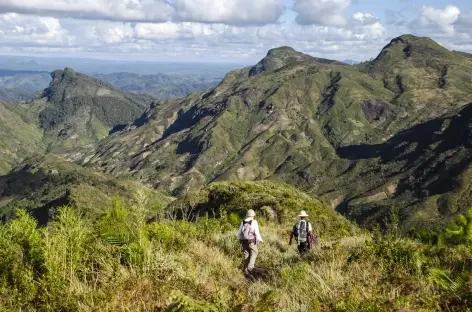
(21, 86)
(389, 134)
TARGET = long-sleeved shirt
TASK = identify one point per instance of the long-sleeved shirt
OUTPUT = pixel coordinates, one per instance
(254, 227)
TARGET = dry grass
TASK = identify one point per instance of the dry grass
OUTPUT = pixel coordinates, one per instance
(182, 266)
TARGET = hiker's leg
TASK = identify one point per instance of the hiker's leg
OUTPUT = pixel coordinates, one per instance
(247, 253)
(253, 256)
(303, 248)
(300, 248)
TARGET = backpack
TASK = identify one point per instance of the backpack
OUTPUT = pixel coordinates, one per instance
(300, 230)
(248, 232)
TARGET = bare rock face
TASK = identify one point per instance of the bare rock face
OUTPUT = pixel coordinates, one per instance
(379, 111)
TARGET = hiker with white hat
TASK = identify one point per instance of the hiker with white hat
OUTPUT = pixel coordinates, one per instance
(303, 232)
(249, 236)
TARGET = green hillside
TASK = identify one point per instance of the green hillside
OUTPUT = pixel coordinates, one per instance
(18, 138)
(364, 139)
(118, 261)
(138, 212)
(425, 76)
(81, 110)
(292, 117)
(42, 184)
(74, 111)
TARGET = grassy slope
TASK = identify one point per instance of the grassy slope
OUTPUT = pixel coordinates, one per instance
(424, 172)
(120, 262)
(18, 138)
(276, 201)
(286, 119)
(74, 112)
(212, 132)
(42, 184)
(82, 110)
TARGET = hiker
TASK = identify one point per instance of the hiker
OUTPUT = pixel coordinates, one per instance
(249, 236)
(303, 233)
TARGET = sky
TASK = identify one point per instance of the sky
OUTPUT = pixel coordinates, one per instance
(225, 30)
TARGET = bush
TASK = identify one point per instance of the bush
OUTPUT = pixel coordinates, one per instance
(21, 259)
(120, 262)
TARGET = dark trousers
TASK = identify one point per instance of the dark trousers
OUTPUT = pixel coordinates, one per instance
(303, 247)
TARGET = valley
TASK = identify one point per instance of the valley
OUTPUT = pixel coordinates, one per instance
(123, 191)
(320, 125)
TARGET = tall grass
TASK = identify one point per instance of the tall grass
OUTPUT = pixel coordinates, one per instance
(123, 263)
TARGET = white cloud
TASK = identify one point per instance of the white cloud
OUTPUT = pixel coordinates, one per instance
(449, 26)
(441, 20)
(256, 12)
(122, 10)
(364, 18)
(20, 30)
(188, 40)
(321, 12)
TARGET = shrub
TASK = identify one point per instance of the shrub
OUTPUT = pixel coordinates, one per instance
(21, 259)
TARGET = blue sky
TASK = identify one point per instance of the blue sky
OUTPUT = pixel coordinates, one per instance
(225, 30)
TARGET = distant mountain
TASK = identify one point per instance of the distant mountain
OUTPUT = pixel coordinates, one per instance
(159, 85)
(308, 122)
(427, 79)
(22, 86)
(18, 95)
(391, 132)
(19, 86)
(77, 109)
(74, 111)
(99, 66)
(350, 62)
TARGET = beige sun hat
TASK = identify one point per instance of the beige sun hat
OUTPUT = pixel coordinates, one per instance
(303, 214)
(250, 213)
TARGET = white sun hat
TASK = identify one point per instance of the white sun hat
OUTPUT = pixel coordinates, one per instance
(250, 213)
(303, 214)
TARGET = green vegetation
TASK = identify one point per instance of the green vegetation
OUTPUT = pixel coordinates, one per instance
(73, 112)
(362, 138)
(121, 262)
(82, 110)
(42, 184)
(18, 139)
(393, 131)
(387, 143)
